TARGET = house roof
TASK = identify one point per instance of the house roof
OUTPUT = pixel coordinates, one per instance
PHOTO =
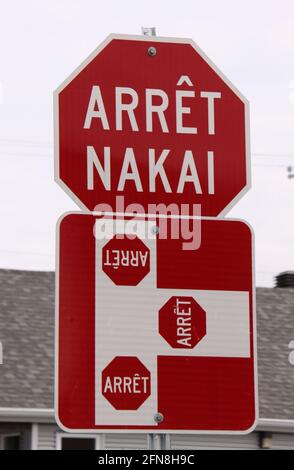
(27, 336)
(275, 331)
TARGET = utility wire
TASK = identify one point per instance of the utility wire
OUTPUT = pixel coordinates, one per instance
(49, 154)
(35, 143)
(13, 252)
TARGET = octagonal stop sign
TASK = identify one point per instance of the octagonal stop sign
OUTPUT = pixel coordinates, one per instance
(126, 383)
(158, 126)
(182, 322)
(126, 260)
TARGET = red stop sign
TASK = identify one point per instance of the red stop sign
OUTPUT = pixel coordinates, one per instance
(126, 383)
(126, 260)
(182, 322)
(162, 128)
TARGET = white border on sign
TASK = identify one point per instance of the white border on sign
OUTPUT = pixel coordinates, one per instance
(152, 430)
(150, 39)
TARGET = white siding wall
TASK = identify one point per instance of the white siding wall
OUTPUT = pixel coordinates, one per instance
(190, 441)
(47, 440)
(47, 436)
(283, 441)
(125, 441)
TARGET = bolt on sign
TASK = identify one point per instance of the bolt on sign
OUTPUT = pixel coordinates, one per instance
(179, 345)
(154, 120)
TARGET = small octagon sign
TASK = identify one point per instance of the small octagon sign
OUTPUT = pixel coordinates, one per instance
(182, 322)
(126, 260)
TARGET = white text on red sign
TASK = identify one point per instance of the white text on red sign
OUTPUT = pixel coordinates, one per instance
(118, 258)
(126, 103)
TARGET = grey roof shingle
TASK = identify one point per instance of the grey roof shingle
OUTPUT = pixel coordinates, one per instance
(27, 335)
(275, 330)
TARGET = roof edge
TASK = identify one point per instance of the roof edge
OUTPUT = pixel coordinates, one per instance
(275, 425)
(40, 415)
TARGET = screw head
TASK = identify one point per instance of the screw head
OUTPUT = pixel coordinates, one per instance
(155, 230)
(152, 51)
(158, 418)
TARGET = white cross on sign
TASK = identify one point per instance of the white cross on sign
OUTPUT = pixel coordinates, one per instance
(126, 324)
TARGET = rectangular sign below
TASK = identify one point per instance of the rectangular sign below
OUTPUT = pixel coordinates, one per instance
(174, 354)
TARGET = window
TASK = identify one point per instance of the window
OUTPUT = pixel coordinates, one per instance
(77, 442)
(11, 442)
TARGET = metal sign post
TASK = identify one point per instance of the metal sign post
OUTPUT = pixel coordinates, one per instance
(157, 440)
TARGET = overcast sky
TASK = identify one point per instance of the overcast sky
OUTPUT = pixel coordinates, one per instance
(42, 41)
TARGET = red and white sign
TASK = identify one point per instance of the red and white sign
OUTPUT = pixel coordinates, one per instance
(157, 128)
(181, 344)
